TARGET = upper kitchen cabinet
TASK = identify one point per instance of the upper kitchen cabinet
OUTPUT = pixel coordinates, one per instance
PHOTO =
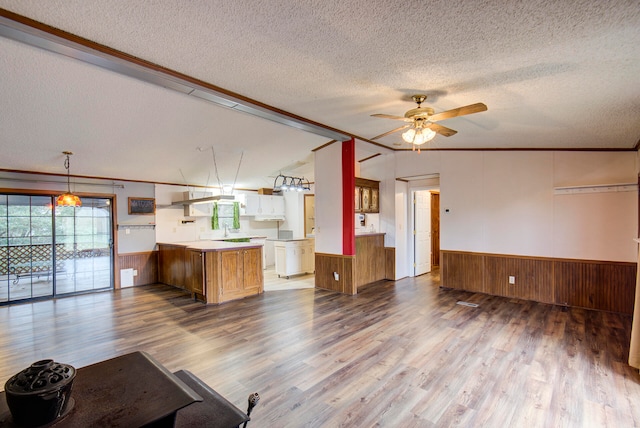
(264, 206)
(367, 195)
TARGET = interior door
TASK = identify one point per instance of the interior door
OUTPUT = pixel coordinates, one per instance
(422, 232)
(435, 229)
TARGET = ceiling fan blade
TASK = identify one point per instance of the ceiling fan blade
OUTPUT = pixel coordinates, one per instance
(442, 130)
(460, 111)
(389, 116)
(390, 132)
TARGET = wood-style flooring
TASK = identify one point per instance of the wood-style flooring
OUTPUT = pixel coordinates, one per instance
(398, 354)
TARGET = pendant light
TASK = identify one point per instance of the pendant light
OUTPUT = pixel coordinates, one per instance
(68, 199)
(299, 184)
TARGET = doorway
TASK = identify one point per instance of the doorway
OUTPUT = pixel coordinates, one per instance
(424, 248)
(421, 232)
(309, 215)
(435, 229)
(48, 251)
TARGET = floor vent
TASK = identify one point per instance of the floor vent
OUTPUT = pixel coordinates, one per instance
(471, 305)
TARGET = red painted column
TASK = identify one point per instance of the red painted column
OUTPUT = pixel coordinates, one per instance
(348, 197)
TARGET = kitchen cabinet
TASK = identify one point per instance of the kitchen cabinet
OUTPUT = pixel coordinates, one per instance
(269, 254)
(215, 272)
(194, 272)
(262, 241)
(264, 205)
(239, 276)
(367, 194)
(294, 257)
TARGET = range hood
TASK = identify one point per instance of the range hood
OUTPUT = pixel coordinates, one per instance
(268, 218)
(207, 200)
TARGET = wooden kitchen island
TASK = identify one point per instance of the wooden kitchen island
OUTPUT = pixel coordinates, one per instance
(212, 271)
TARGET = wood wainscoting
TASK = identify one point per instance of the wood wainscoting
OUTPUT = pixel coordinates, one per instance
(370, 259)
(344, 266)
(372, 262)
(390, 263)
(591, 284)
(146, 263)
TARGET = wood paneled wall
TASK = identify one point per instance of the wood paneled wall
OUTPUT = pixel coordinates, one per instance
(370, 259)
(146, 263)
(171, 265)
(390, 263)
(327, 264)
(372, 262)
(600, 285)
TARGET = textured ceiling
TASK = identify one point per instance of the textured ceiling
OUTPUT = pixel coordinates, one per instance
(554, 74)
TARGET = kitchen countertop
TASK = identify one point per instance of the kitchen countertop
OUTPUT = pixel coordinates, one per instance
(213, 245)
(234, 236)
(369, 234)
(288, 240)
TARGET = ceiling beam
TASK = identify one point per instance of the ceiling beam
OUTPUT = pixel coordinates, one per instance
(34, 33)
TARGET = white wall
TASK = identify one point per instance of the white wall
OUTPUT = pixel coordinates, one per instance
(137, 239)
(294, 213)
(328, 191)
(503, 202)
(402, 229)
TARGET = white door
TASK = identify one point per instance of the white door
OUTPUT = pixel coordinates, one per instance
(422, 232)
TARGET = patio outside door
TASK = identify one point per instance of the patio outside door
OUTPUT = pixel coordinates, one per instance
(47, 252)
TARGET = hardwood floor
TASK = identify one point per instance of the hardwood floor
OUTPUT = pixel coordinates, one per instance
(396, 354)
(295, 282)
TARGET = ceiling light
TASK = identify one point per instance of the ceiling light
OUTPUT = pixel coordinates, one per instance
(284, 183)
(418, 134)
(68, 199)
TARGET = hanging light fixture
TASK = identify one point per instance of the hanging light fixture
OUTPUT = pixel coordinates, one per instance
(68, 199)
(418, 134)
(284, 183)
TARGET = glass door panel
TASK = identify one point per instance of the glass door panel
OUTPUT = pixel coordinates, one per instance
(45, 252)
(83, 245)
(26, 239)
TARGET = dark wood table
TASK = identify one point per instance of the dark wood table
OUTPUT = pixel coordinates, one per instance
(132, 390)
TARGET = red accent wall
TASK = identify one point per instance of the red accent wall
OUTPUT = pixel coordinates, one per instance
(348, 197)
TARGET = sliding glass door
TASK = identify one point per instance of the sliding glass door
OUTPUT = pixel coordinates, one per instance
(47, 251)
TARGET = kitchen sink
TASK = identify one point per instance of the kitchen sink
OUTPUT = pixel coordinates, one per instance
(237, 240)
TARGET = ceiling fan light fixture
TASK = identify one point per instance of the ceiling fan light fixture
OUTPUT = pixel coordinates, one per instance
(418, 136)
(409, 135)
(422, 119)
(423, 135)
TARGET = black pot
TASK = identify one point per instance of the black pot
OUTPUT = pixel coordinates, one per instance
(40, 393)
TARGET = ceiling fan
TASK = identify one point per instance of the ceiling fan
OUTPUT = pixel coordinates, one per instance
(422, 126)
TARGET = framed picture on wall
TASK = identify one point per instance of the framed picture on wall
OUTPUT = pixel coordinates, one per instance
(358, 197)
(142, 206)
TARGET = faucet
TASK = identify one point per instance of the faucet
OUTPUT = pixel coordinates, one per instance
(226, 230)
